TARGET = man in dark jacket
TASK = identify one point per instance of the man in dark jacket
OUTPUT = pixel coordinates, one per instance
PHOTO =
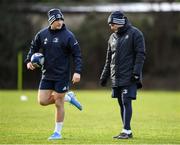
(124, 64)
(57, 44)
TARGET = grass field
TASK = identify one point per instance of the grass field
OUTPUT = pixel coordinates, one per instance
(156, 119)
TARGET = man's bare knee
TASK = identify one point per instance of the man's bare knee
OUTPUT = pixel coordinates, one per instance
(59, 100)
(43, 103)
(44, 97)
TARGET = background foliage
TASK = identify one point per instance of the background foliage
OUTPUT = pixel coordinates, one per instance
(161, 31)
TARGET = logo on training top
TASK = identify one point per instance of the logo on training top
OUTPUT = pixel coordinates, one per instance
(55, 40)
(45, 41)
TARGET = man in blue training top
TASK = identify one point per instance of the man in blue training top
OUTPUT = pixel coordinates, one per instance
(124, 64)
(57, 44)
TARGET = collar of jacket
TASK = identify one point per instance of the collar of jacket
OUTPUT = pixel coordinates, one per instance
(123, 29)
(57, 30)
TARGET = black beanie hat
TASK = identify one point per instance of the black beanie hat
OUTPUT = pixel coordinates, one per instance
(117, 17)
(54, 14)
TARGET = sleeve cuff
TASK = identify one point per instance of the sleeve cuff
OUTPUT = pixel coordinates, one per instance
(79, 72)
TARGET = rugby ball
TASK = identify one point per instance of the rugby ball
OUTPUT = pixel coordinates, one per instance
(37, 59)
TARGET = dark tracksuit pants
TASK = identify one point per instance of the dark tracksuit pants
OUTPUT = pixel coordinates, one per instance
(125, 95)
(126, 111)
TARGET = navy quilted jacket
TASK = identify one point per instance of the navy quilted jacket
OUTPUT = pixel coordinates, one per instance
(125, 56)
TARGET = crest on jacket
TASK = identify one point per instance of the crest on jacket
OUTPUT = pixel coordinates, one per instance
(127, 36)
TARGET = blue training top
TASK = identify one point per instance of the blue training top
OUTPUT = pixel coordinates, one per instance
(57, 47)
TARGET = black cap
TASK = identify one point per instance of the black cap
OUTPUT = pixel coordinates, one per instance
(117, 17)
(54, 14)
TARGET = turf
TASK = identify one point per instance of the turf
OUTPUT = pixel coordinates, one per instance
(156, 119)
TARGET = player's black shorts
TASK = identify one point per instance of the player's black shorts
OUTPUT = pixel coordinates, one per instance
(58, 86)
(125, 91)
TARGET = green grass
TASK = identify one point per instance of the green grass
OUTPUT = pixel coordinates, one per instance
(156, 119)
